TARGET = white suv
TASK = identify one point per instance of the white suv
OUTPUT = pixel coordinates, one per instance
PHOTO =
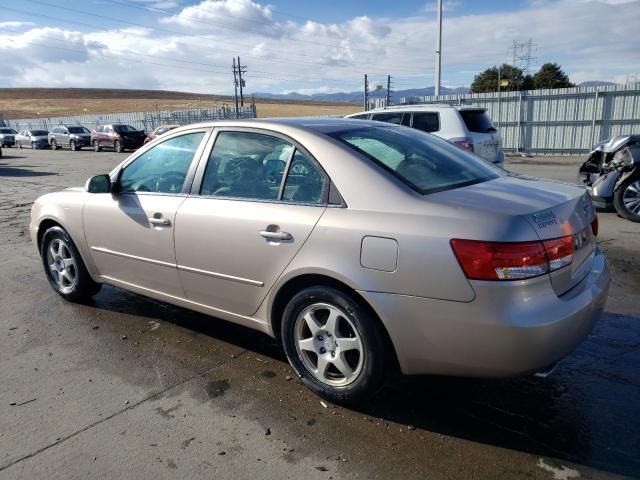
(466, 126)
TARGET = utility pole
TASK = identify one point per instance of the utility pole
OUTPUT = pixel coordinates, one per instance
(439, 48)
(388, 100)
(366, 93)
(241, 69)
(235, 84)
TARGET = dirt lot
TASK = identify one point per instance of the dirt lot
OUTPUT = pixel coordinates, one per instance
(127, 387)
(31, 103)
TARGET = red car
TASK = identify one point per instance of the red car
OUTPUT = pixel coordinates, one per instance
(159, 131)
(117, 136)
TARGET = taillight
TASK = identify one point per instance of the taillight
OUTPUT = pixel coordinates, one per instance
(464, 143)
(595, 226)
(512, 261)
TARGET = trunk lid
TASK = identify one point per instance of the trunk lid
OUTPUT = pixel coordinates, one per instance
(553, 209)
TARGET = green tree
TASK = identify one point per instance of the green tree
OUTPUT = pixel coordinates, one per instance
(512, 78)
(551, 75)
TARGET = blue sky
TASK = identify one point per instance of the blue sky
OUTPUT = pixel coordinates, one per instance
(307, 46)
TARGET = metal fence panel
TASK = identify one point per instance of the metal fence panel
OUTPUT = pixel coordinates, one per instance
(141, 120)
(557, 121)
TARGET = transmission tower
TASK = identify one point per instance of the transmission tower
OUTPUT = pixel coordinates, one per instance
(521, 55)
(388, 97)
(366, 92)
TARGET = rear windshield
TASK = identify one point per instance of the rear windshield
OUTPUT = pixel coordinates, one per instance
(39, 133)
(425, 163)
(124, 128)
(7, 130)
(78, 130)
(477, 121)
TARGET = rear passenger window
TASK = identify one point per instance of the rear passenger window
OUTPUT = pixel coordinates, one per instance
(246, 165)
(426, 121)
(305, 183)
(388, 117)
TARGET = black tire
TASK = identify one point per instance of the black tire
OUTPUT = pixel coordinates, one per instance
(33, 146)
(72, 146)
(83, 287)
(54, 145)
(96, 146)
(633, 183)
(117, 146)
(372, 373)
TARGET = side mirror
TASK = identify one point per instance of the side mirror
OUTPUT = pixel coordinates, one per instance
(99, 184)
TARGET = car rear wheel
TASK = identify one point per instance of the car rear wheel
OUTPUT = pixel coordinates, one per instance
(96, 146)
(54, 145)
(334, 344)
(117, 146)
(72, 146)
(33, 146)
(64, 267)
(19, 145)
(626, 199)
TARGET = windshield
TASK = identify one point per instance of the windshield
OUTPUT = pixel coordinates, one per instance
(78, 130)
(425, 163)
(7, 130)
(39, 133)
(124, 128)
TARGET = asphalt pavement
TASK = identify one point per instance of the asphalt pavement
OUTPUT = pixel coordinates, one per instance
(128, 387)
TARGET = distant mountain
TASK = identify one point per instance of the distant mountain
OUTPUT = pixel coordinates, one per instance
(356, 97)
(595, 83)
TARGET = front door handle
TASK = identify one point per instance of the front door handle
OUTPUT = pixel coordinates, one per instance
(160, 222)
(280, 236)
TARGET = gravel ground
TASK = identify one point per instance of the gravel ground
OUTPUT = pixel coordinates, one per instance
(133, 388)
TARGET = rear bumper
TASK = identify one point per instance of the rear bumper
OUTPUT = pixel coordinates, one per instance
(507, 330)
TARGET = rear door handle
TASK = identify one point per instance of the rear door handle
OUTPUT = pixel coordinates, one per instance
(161, 222)
(276, 235)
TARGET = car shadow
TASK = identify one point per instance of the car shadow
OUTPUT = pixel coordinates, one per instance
(583, 413)
(13, 170)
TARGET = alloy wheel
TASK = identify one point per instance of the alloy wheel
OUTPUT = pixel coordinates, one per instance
(328, 344)
(62, 265)
(631, 197)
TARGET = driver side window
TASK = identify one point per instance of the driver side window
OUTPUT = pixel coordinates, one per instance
(162, 169)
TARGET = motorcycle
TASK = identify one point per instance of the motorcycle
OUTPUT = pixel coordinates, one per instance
(611, 174)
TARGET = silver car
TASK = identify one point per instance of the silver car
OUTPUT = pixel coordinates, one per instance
(362, 246)
(33, 139)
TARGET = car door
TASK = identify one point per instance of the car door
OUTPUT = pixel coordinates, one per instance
(130, 232)
(246, 218)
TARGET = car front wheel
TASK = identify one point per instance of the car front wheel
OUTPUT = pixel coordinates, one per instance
(334, 344)
(64, 267)
(118, 147)
(96, 146)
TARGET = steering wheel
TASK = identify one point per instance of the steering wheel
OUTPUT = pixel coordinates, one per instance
(170, 182)
(299, 168)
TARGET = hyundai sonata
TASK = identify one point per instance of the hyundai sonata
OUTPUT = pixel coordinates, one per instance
(362, 246)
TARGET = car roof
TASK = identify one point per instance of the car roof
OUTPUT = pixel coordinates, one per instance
(309, 124)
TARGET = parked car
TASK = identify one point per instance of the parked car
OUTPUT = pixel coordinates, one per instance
(159, 131)
(32, 138)
(117, 136)
(611, 174)
(466, 126)
(73, 136)
(360, 245)
(7, 137)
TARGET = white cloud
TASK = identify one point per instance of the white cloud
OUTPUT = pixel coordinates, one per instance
(245, 15)
(316, 57)
(16, 24)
